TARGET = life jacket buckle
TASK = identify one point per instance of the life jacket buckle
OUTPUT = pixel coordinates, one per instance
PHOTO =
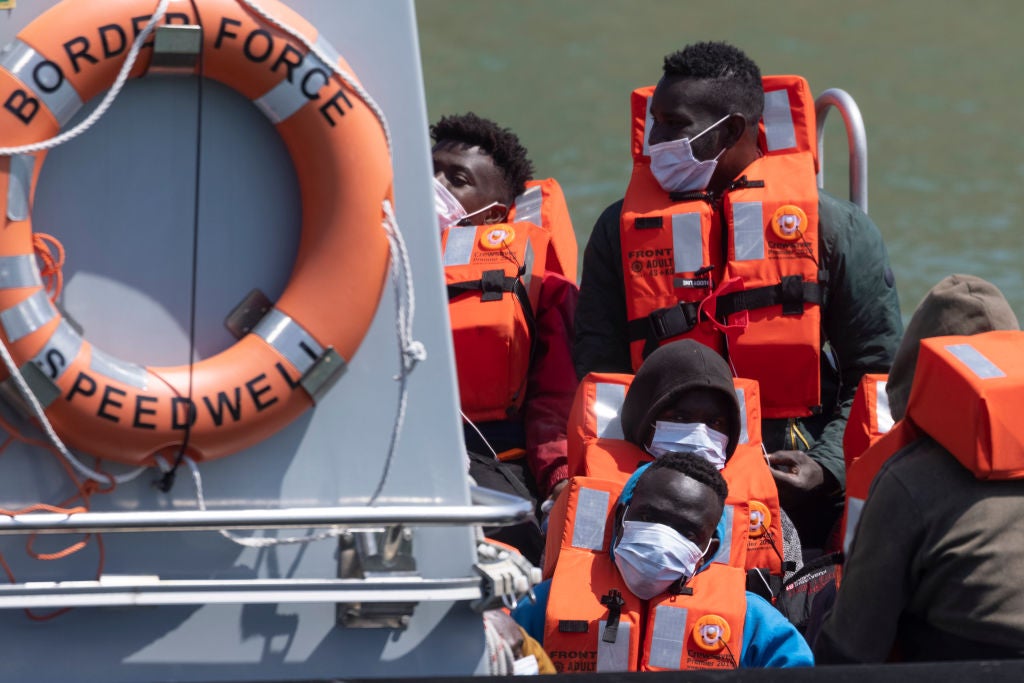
(492, 284)
(674, 320)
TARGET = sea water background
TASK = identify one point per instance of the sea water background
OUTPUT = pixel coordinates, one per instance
(939, 87)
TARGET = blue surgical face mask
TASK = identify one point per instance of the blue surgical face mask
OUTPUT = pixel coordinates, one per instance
(677, 169)
(651, 557)
(689, 437)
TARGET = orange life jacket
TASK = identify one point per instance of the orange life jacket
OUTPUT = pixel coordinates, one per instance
(869, 417)
(596, 448)
(494, 273)
(593, 622)
(543, 204)
(738, 274)
(861, 472)
(965, 396)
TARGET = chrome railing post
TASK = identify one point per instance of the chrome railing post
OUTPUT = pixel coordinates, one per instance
(856, 138)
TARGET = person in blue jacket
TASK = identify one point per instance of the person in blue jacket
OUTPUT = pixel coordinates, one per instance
(681, 497)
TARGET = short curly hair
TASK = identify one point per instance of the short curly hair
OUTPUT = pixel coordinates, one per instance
(737, 78)
(500, 143)
(694, 467)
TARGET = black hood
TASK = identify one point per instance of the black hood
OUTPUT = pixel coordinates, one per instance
(669, 372)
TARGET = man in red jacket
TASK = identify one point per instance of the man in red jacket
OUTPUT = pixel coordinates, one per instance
(479, 170)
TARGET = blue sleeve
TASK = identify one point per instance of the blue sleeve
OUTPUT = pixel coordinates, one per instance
(530, 615)
(769, 640)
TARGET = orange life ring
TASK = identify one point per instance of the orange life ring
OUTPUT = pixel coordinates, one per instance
(117, 410)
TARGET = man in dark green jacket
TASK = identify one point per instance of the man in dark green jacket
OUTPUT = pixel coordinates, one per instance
(711, 95)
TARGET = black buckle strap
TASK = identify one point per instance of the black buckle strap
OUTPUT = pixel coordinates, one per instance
(493, 284)
(666, 323)
(614, 602)
(791, 293)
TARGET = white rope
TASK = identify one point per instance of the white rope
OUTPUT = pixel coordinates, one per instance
(411, 351)
(499, 651)
(108, 99)
(248, 541)
(40, 414)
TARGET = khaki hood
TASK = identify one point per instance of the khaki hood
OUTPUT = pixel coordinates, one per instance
(957, 305)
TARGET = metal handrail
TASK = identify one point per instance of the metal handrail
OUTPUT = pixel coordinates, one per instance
(141, 592)
(489, 508)
(856, 139)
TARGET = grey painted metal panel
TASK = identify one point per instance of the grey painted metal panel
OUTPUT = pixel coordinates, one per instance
(126, 220)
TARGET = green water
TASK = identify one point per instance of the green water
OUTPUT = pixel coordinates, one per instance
(938, 85)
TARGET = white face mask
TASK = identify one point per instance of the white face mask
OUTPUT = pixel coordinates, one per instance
(651, 557)
(677, 169)
(449, 209)
(689, 437)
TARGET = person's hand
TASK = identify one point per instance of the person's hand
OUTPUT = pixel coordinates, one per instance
(556, 489)
(796, 475)
(545, 508)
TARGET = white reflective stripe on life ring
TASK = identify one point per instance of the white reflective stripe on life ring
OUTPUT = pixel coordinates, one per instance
(28, 316)
(302, 85)
(19, 271)
(60, 350)
(114, 368)
(44, 78)
(289, 339)
(19, 186)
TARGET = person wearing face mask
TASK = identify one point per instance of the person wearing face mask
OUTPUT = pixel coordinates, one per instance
(634, 587)
(723, 237)
(509, 254)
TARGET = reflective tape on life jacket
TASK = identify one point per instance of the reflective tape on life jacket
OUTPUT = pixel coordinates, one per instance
(597, 449)
(861, 472)
(967, 396)
(762, 302)
(869, 417)
(494, 274)
(787, 124)
(595, 415)
(593, 622)
(543, 204)
(114, 408)
(752, 490)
